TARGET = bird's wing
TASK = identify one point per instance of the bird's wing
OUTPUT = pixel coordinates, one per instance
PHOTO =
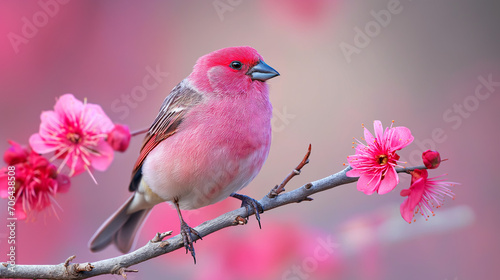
(172, 112)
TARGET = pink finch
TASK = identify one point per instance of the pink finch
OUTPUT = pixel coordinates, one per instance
(209, 140)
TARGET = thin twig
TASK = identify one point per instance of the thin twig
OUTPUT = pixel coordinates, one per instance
(138, 132)
(278, 189)
(68, 260)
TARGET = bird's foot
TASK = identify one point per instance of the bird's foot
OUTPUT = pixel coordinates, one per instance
(187, 233)
(250, 204)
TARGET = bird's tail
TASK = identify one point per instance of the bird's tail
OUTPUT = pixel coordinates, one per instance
(119, 229)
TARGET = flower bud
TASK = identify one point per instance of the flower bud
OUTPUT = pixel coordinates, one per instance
(431, 159)
(63, 183)
(119, 138)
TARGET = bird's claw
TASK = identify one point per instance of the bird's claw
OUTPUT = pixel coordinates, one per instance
(251, 205)
(187, 233)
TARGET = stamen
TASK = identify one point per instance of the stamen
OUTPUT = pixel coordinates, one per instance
(91, 175)
(65, 160)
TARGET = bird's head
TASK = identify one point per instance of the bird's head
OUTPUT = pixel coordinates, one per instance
(231, 71)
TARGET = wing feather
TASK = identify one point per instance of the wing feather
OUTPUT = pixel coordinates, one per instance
(172, 112)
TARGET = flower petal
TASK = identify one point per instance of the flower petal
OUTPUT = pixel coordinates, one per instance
(101, 162)
(406, 210)
(361, 149)
(401, 137)
(391, 179)
(379, 130)
(369, 137)
(368, 183)
(39, 145)
(68, 106)
(50, 125)
(76, 164)
(353, 161)
(417, 192)
(15, 153)
(94, 114)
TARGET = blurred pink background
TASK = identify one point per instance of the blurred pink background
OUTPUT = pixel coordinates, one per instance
(339, 66)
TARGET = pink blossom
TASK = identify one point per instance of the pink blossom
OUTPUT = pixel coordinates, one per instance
(424, 194)
(375, 162)
(36, 182)
(431, 159)
(76, 132)
(119, 138)
(15, 153)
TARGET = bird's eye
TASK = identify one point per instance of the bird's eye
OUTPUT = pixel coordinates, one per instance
(236, 65)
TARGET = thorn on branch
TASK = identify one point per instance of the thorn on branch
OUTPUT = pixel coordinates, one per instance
(160, 236)
(279, 189)
(240, 221)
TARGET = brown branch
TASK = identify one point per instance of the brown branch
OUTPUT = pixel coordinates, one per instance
(279, 189)
(157, 246)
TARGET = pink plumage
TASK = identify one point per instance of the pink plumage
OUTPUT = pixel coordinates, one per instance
(209, 140)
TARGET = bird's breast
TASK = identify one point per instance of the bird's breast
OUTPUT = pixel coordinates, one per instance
(219, 148)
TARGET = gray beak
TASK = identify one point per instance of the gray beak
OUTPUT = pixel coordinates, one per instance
(262, 72)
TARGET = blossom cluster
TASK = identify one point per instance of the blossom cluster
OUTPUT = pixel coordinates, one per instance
(78, 137)
(375, 164)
